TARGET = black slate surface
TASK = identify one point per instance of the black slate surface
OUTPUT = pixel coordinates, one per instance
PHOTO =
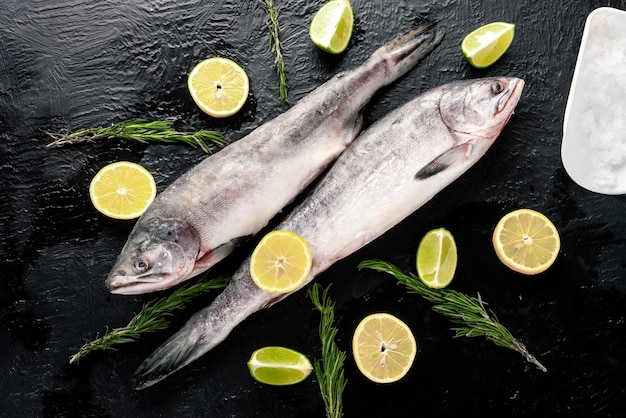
(72, 64)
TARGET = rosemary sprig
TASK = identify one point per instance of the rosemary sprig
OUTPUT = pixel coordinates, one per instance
(329, 370)
(154, 316)
(469, 312)
(276, 46)
(142, 131)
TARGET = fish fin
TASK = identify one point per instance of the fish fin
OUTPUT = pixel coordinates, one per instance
(443, 161)
(181, 349)
(221, 251)
(406, 51)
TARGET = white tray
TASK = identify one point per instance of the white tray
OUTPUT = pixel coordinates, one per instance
(585, 154)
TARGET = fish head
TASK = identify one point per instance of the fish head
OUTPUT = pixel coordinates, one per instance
(479, 109)
(158, 254)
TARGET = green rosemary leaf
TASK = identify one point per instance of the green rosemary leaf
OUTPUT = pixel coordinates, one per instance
(462, 309)
(152, 317)
(276, 46)
(330, 369)
(140, 130)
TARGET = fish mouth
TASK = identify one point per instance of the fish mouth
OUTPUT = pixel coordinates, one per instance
(133, 285)
(513, 96)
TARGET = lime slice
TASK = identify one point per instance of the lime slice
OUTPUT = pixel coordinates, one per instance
(485, 45)
(279, 366)
(331, 27)
(526, 241)
(437, 258)
(281, 262)
(383, 347)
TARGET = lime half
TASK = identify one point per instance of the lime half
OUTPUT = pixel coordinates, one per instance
(485, 45)
(331, 27)
(279, 366)
(437, 258)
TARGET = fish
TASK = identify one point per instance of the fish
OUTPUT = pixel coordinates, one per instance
(395, 166)
(206, 213)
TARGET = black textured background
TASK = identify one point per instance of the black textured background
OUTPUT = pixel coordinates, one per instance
(70, 64)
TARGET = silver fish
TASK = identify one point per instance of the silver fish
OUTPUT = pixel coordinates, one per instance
(391, 170)
(231, 195)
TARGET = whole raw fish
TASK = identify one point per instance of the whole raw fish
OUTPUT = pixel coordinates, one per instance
(391, 170)
(202, 216)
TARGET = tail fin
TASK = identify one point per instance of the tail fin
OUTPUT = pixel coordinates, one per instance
(404, 52)
(181, 349)
(204, 330)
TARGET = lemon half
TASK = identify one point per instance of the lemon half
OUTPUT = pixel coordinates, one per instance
(281, 262)
(383, 347)
(122, 190)
(526, 241)
(219, 86)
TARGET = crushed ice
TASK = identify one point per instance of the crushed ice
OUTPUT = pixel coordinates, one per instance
(603, 83)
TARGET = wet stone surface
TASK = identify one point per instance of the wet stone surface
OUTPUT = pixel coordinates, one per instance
(74, 64)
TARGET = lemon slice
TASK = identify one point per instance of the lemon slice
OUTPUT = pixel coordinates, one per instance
(279, 366)
(281, 262)
(331, 27)
(122, 190)
(485, 45)
(526, 241)
(383, 347)
(437, 258)
(219, 86)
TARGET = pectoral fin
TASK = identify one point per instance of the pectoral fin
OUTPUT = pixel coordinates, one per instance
(220, 252)
(444, 161)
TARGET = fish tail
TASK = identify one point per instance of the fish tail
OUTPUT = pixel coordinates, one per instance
(181, 349)
(404, 52)
(204, 330)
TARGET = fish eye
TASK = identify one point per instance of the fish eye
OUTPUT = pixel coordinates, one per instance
(140, 266)
(497, 87)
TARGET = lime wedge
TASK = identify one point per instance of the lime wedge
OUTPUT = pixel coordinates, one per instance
(331, 27)
(279, 366)
(485, 45)
(437, 258)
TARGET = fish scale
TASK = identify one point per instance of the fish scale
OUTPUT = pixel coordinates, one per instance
(234, 193)
(397, 165)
